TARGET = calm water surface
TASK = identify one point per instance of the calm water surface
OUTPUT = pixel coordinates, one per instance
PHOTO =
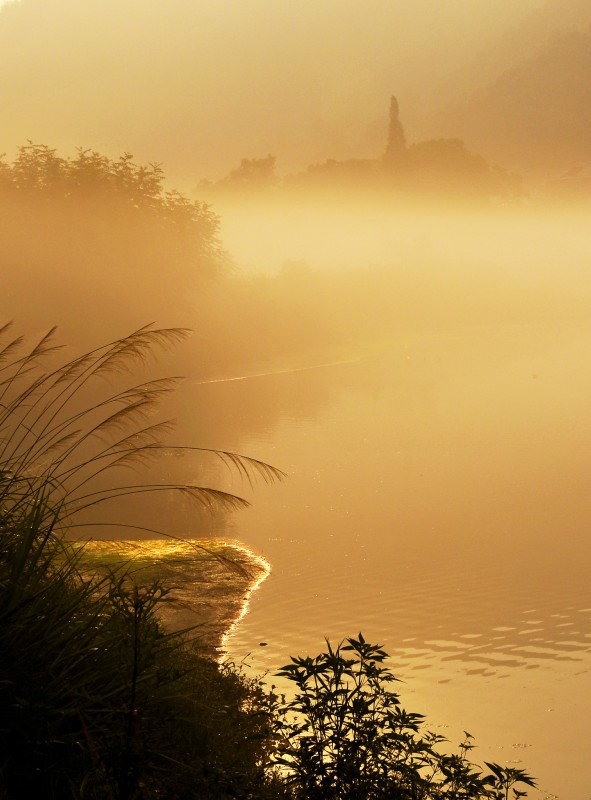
(438, 501)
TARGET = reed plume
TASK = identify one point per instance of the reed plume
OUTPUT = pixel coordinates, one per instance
(53, 439)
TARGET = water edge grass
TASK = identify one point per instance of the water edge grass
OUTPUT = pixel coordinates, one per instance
(98, 699)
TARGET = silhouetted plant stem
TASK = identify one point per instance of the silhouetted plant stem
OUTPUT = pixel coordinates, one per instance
(127, 770)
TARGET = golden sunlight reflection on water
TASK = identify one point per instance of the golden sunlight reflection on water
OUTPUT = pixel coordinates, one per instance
(437, 501)
(437, 497)
(211, 582)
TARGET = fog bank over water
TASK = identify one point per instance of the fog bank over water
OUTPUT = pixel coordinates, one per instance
(422, 266)
(300, 283)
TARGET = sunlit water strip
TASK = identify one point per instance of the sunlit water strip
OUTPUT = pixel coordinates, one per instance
(210, 581)
(265, 570)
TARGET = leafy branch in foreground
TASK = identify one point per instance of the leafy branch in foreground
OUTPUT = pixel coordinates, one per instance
(345, 736)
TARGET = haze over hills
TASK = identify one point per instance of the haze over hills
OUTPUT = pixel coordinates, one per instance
(224, 81)
(525, 102)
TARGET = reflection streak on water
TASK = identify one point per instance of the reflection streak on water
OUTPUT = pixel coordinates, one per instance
(277, 372)
(265, 569)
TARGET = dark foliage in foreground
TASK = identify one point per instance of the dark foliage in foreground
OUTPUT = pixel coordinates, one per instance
(345, 736)
(99, 701)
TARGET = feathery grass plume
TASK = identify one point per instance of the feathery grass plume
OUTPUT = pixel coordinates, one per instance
(51, 437)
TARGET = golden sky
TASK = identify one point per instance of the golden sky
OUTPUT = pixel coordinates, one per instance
(200, 84)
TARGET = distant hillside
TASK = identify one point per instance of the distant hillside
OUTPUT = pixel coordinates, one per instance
(535, 115)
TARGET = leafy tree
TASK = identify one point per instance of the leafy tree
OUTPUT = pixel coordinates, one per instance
(108, 232)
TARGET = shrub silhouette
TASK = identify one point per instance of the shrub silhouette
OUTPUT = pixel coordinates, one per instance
(107, 229)
(345, 736)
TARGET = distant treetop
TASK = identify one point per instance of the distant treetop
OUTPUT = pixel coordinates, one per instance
(104, 229)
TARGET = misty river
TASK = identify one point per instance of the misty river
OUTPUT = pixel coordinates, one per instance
(437, 495)
(365, 228)
(437, 501)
